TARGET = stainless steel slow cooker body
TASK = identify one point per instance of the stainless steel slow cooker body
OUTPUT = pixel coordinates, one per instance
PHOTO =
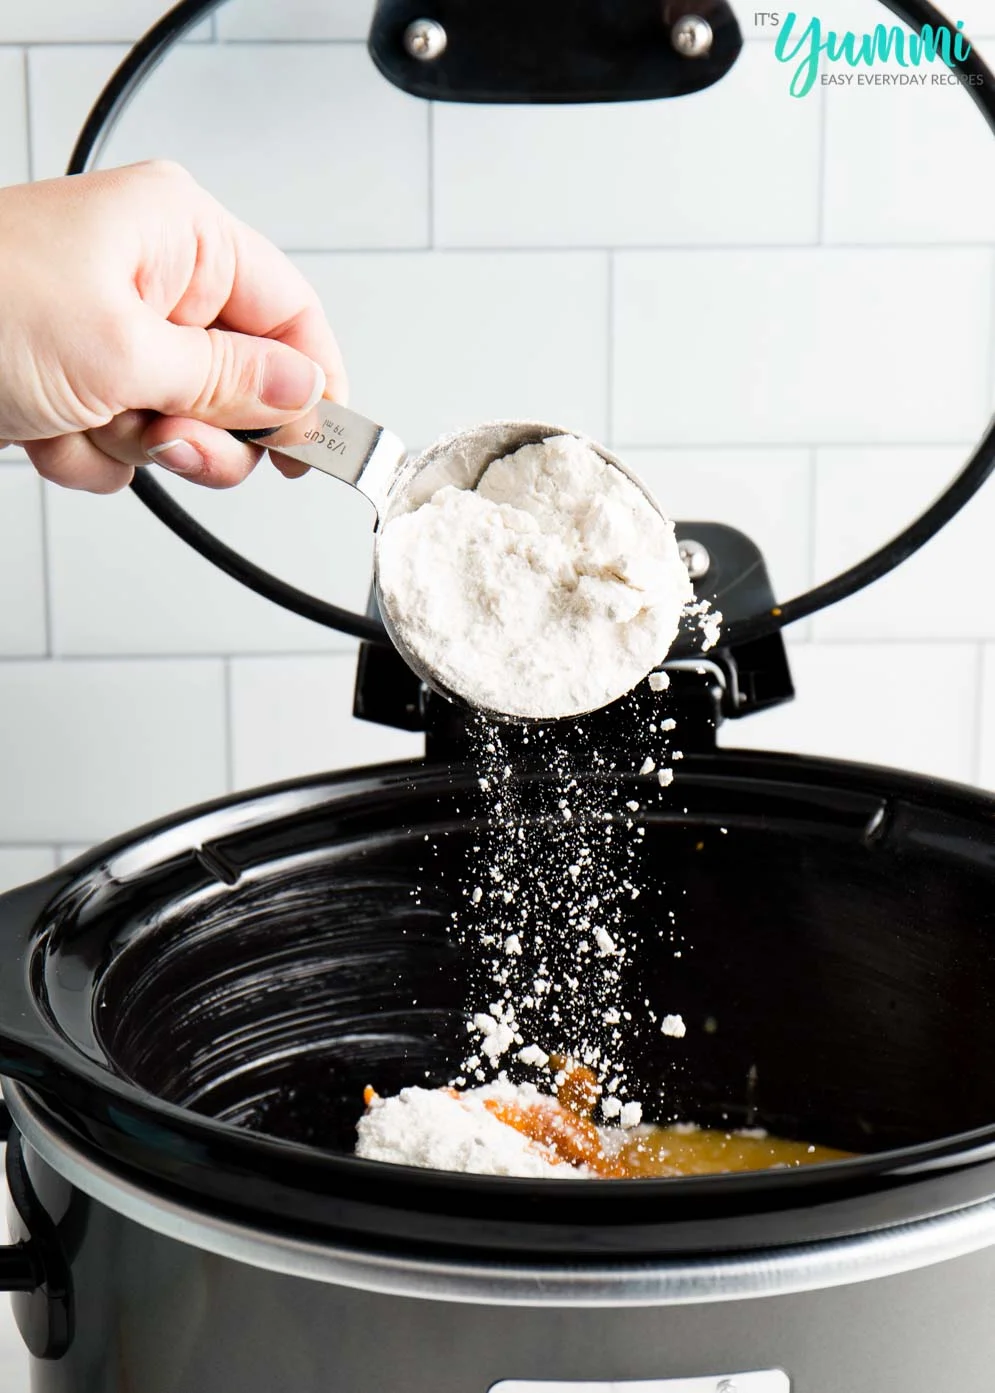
(191, 1013)
(168, 1301)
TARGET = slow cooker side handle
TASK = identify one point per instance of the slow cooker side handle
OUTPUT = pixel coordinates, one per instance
(21, 1265)
(37, 1266)
(32, 1050)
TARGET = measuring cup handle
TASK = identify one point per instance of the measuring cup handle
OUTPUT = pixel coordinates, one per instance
(339, 442)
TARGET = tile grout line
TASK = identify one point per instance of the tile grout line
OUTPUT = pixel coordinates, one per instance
(46, 567)
(229, 725)
(732, 446)
(650, 248)
(610, 356)
(990, 382)
(311, 40)
(264, 655)
(823, 166)
(979, 714)
(58, 849)
(728, 447)
(28, 122)
(430, 154)
(813, 522)
(828, 640)
(124, 44)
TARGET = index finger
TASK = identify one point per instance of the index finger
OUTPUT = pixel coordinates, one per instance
(268, 297)
(271, 299)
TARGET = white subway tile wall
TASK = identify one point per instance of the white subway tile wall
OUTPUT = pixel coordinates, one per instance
(439, 341)
(14, 166)
(88, 748)
(765, 493)
(801, 346)
(77, 21)
(907, 704)
(780, 308)
(272, 130)
(295, 19)
(18, 866)
(941, 593)
(13, 1357)
(150, 594)
(636, 174)
(289, 716)
(884, 153)
(23, 624)
(862, 15)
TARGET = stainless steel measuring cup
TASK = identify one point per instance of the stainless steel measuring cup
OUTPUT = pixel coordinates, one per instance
(350, 447)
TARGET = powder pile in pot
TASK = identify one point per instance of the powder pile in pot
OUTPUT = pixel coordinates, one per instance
(550, 589)
(444, 1131)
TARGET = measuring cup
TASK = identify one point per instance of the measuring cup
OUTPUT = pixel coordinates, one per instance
(350, 447)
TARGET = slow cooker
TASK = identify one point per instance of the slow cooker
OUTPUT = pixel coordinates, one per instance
(189, 1014)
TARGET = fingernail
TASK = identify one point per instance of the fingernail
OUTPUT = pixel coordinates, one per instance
(179, 456)
(291, 382)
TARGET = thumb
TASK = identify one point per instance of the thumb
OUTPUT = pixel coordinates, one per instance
(225, 379)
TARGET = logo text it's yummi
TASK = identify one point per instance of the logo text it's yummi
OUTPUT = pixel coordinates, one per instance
(807, 47)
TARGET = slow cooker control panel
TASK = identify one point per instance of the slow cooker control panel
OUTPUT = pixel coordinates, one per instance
(762, 1381)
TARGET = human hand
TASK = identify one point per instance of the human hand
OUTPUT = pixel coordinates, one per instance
(139, 321)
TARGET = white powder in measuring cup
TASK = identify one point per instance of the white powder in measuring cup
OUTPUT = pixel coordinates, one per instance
(550, 589)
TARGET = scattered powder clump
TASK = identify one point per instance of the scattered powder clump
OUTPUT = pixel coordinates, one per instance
(429, 1127)
(549, 590)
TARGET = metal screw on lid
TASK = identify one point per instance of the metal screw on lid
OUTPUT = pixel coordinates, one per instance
(697, 560)
(425, 39)
(692, 36)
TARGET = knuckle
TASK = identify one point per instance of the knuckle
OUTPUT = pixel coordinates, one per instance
(234, 376)
(166, 171)
(111, 480)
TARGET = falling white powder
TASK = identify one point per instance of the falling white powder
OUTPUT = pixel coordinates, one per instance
(429, 1127)
(674, 1025)
(497, 1036)
(631, 1114)
(665, 777)
(534, 1056)
(659, 681)
(550, 589)
(605, 942)
(647, 766)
